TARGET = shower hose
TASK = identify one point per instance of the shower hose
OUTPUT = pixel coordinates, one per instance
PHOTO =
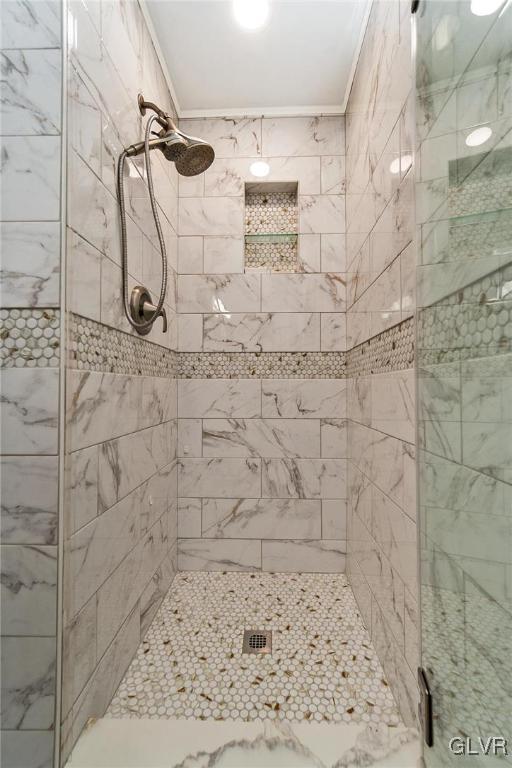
(144, 324)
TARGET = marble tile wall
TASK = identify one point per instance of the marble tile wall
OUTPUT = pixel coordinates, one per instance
(262, 461)
(381, 263)
(121, 433)
(30, 120)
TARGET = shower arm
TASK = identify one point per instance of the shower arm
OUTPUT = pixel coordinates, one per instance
(162, 118)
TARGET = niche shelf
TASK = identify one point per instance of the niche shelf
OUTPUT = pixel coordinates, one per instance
(271, 227)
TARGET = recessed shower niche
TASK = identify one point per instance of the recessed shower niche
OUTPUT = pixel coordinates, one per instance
(271, 227)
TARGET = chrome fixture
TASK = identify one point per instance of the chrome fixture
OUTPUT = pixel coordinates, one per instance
(191, 157)
(257, 641)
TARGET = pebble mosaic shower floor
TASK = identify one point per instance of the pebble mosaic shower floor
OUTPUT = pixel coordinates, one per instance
(322, 666)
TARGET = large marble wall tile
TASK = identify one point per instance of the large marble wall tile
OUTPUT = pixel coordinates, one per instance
(83, 277)
(219, 555)
(82, 498)
(98, 548)
(334, 519)
(190, 437)
(219, 477)
(210, 216)
(159, 401)
(27, 749)
(333, 253)
(261, 518)
(189, 518)
(292, 332)
(219, 398)
(190, 333)
(393, 404)
(127, 461)
(121, 31)
(158, 497)
(120, 592)
(303, 136)
(102, 406)
(332, 175)
(30, 266)
(322, 213)
(84, 122)
(35, 25)
(92, 210)
(359, 493)
(333, 331)
(28, 683)
(31, 92)
(237, 137)
(228, 177)
(190, 255)
(219, 293)
(395, 533)
(30, 170)
(29, 590)
(387, 589)
(29, 408)
(97, 694)
(29, 500)
(304, 556)
(304, 478)
(152, 597)
(223, 255)
(304, 399)
(78, 653)
(333, 438)
(261, 438)
(302, 293)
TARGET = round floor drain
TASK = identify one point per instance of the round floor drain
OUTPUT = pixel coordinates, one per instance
(257, 641)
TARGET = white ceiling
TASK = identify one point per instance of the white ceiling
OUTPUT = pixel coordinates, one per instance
(300, 62)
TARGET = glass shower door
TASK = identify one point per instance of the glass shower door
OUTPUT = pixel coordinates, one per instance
(464, 368)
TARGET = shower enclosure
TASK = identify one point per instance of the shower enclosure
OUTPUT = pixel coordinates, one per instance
(103, 484)
(464, 354)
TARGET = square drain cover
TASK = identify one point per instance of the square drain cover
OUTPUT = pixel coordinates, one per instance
(257, 641)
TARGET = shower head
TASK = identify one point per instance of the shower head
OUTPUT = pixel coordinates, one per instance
(198, 156)
(190, 154)
(172, 145)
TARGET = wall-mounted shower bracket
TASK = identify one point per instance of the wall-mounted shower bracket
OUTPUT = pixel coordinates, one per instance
(163, 118)
(142, 308)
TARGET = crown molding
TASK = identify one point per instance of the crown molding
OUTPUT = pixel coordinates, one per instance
(321, 109)
(292, 111)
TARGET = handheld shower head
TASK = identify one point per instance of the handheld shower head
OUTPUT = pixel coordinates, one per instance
(173, 146)
(191, 155)
(197, 158)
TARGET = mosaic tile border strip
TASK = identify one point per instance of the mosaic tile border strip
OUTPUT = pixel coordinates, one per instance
(29, 338)
(261, 365)
(97, 347)
(473, 322)
(391, 350)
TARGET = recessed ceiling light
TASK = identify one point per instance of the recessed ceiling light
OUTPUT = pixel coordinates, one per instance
(478, 136)
(251, 14)
(260, 168)
(485, 7)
